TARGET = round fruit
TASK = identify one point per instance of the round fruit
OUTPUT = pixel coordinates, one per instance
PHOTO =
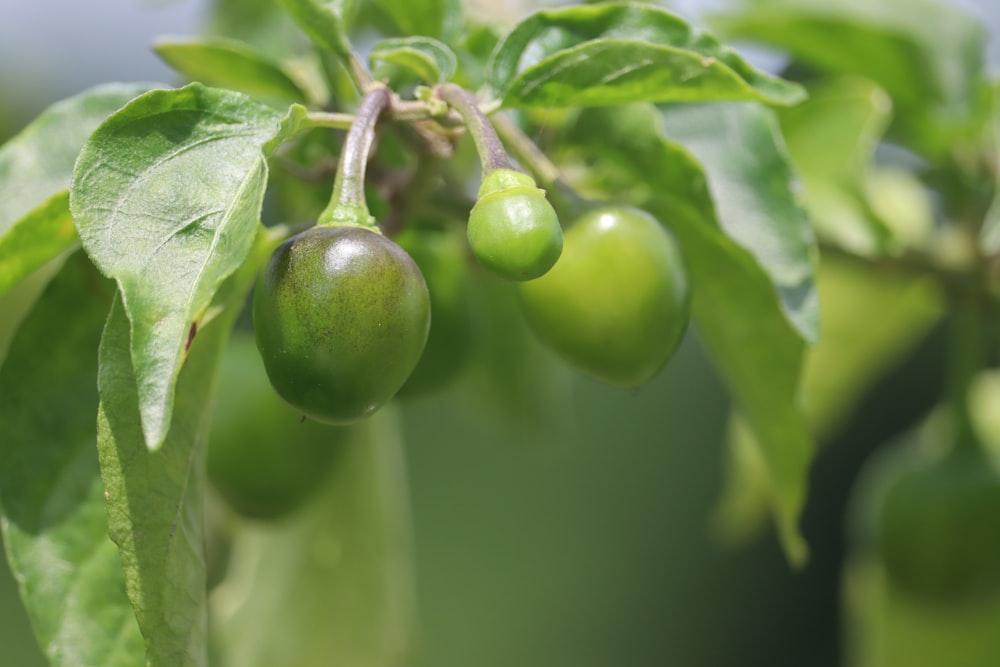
(341, 316)
(513, 229)
(441, 256)
(261, 456)
(616, 303)
(939, 529)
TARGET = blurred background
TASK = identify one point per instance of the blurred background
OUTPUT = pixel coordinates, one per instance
(584, 542)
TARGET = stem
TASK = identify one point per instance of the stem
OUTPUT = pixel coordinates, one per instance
(336, 121)
(347, 204)
(491, 151)
(359, 74)
(566, 200)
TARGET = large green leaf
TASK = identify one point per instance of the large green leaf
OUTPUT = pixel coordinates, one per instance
(897, 311)
(333, 584)
(54, 522)
(166, 196)
(740, 149)
(232, 64)
(35, 171)
(927, 54)
(430, 18)
(614, 53)
(155, 498)
(736, 303)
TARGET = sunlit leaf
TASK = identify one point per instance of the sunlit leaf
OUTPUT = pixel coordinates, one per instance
(229, 63)
(155, 498)
(755, 195)
(157, 212)
(605, 54)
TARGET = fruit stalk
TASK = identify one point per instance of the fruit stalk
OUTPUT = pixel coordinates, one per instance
(491, 151)
(347, 204)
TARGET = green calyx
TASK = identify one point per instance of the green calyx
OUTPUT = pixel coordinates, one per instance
(513, 229)
(346, 215)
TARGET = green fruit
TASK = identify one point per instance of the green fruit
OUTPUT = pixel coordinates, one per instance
(341, 316)
(616, 303)
(441, 256)
(513, 229)
(939, 530)
(262, 457)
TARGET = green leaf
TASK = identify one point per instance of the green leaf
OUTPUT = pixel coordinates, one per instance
(838, 372)
(333, 584)
(229, 63)
(927, 54)
(155, 498)
(831, 138)
(432, 18)
(753, 188)
(744, 323)
(35, 171)
(608, 54)
(430, 60)
(166, 196)
(54, 521)
(324, 21)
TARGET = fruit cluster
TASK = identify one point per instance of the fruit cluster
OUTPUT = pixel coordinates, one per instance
(342, 313)
(346, 317)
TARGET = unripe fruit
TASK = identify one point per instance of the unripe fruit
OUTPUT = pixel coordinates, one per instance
(341, 316)
(261, 456)
(441, 256)
(513, 229)
(939, 530)
(616, 303)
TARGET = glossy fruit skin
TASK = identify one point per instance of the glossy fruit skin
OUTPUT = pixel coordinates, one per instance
(513, 229)
(341, 316)
(261, 456)
(939, 530)
(616, 304)
(441, 255)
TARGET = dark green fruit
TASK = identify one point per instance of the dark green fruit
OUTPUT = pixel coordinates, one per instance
(262, 457)
(939, 529)
(341, 316)
(513, 229)
(441, 256)
(616, 303)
